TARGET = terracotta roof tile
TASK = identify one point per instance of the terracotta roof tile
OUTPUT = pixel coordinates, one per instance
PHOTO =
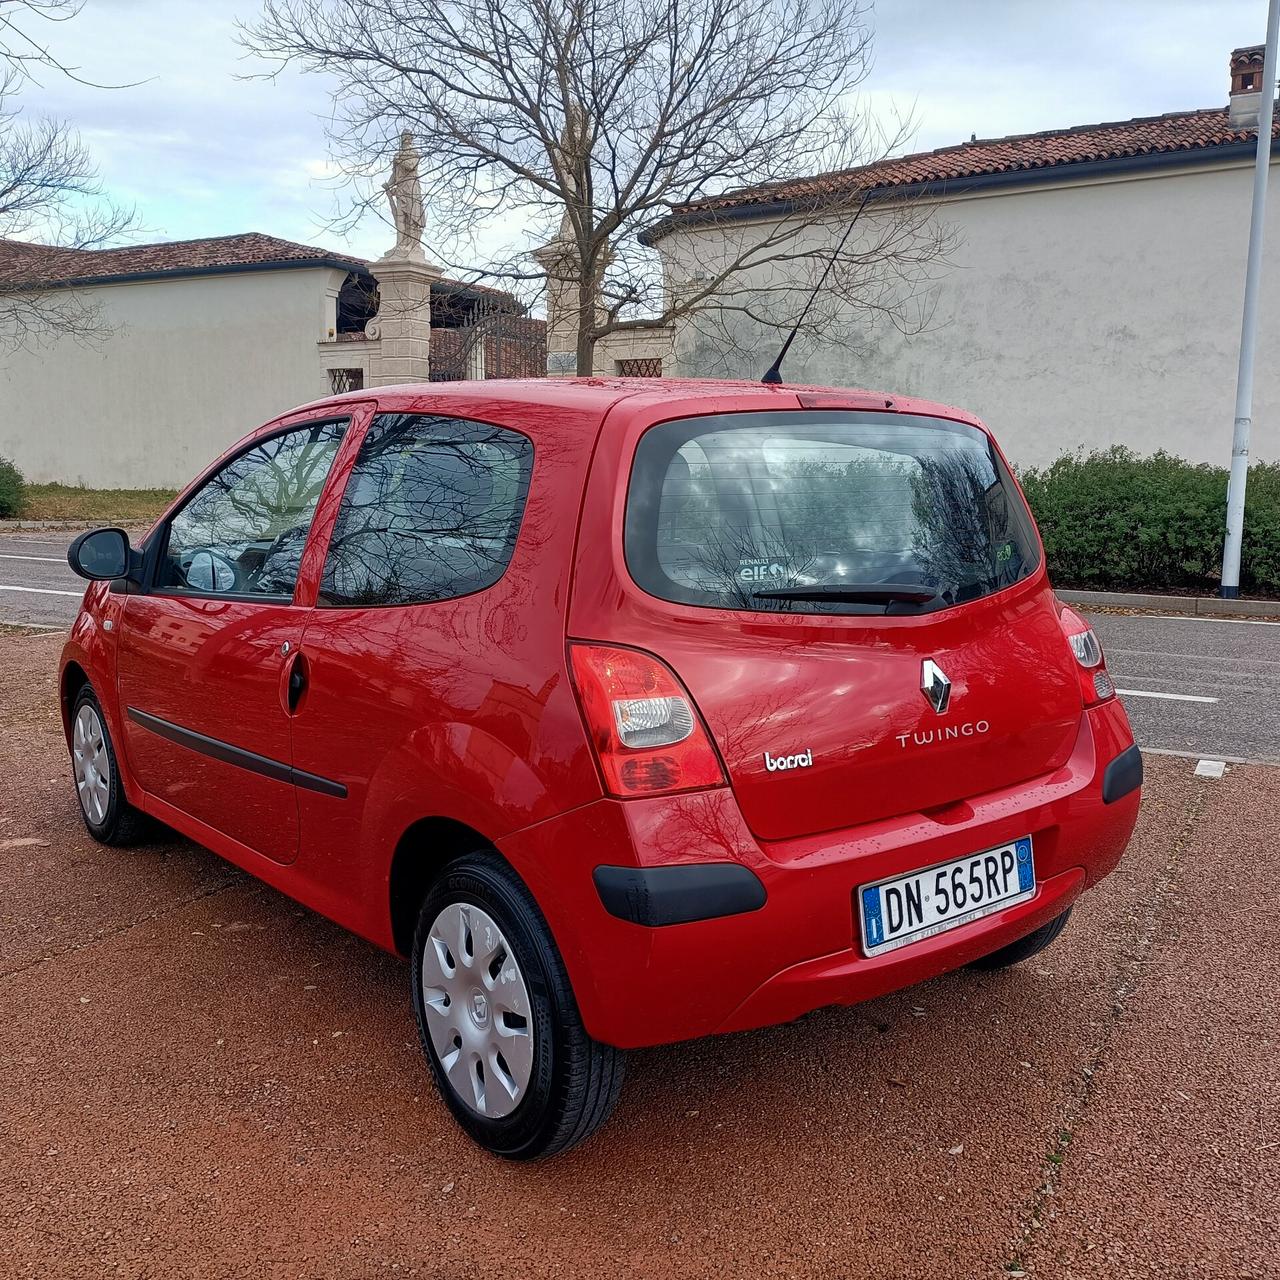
(1181, 131)
(42, 264)
(23, 264)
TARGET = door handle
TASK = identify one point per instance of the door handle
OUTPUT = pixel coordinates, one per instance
(293, 682)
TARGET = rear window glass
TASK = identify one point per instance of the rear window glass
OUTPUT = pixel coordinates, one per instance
(824, 512)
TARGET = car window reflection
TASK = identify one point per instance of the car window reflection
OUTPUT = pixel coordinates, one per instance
(431, 511)
(245, 530)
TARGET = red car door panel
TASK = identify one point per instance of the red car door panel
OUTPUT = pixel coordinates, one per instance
(435, 653)
(205, 654)
(204, 725)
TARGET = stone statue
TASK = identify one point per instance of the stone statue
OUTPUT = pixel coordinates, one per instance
(574, 151)
(404, 194)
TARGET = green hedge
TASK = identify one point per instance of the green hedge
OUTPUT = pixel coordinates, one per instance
(12, 489)
(1114, 520)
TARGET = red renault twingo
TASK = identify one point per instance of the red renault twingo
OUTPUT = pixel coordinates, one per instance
(630, 711)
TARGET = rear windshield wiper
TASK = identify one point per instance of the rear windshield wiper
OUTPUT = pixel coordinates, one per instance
(854, 593)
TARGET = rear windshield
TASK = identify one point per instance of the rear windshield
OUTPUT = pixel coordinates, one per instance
(824, 512)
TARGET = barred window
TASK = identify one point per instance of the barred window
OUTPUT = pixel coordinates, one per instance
(341, 380)
(641, 367)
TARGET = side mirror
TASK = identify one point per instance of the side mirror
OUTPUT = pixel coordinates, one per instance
(101, 555)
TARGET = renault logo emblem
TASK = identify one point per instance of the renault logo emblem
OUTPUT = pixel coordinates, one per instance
(935, 686)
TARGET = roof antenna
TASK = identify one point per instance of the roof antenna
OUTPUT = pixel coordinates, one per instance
(773, 375)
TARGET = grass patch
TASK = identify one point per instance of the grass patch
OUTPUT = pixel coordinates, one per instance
(94, 506)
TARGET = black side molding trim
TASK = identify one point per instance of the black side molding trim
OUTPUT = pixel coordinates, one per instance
(1122, 775)
(238, 756)
(656, 896)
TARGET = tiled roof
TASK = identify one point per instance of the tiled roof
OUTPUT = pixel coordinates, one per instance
(42, 264)
(24, 264)
(1185, 131)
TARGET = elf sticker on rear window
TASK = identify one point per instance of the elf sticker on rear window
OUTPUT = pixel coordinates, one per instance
(759, 569)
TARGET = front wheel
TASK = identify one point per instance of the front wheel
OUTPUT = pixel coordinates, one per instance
(497, 1018)
(109, 817)
(1025, 948)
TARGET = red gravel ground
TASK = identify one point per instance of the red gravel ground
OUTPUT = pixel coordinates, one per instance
(202, 1079)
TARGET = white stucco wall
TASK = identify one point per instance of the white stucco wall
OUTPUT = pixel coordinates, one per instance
(1075, 315)
(189, 367)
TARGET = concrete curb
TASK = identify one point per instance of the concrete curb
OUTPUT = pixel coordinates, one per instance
(35, 526)
(71, 526)
(31, 630)
(1206, 606)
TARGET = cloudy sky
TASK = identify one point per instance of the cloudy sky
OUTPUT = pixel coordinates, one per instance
(200, 151)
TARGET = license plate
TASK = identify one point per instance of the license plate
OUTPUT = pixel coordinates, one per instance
(921, 904)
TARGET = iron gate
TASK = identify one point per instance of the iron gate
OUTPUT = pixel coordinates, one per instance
(495, 342)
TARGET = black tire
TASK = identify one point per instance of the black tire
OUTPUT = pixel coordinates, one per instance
(120, 823)
(1025, 948)
(574, 1080)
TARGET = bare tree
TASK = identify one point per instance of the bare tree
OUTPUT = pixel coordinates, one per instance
(592, 121)
(48, 189)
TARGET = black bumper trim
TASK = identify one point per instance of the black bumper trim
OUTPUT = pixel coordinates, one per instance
(1122, 775)
(656, 896)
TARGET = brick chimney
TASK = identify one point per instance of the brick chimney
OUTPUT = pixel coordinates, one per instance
(1246, 86)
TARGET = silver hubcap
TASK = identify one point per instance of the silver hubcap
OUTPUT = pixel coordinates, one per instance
(91, 763)
(477, 1010)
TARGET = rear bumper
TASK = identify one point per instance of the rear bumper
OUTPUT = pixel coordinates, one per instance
(736, 957)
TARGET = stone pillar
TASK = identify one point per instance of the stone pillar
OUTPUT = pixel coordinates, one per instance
(403, 323)
(651, 347)
(557, 260)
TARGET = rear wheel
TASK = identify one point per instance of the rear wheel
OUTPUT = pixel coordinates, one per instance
(108, 816)
(1025, 948)
(497, 1018)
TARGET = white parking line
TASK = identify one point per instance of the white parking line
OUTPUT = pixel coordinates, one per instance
(1190, 657)
(41, 591)
(1172, 697)
(5, 555)
(1199, 755)
(1185, 617)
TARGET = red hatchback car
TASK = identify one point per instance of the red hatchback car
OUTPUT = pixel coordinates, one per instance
(629, 711)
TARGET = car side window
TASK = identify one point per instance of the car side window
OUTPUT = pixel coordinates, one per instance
(243, 531)
(431, 511)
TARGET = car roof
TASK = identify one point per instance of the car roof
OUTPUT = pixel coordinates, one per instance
(600, 394)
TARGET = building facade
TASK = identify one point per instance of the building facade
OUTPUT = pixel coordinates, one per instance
(1093, 297)
(194, 343)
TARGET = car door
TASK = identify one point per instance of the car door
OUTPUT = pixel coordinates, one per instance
(205, 648)
(425, 659)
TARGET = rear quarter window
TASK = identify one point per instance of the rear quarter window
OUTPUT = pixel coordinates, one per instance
(431, 511)
(824, 512)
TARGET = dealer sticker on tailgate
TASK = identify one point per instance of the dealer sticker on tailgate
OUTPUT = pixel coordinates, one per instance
(921, 904)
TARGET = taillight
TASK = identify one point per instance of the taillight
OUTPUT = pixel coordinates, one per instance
(1095, 683)
(646, 733)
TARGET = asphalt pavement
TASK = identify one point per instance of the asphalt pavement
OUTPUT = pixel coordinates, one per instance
(1197, 686)
(1194, 686)
(37, 586)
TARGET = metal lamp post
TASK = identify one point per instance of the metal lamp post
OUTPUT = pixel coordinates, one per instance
(1249, 324)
